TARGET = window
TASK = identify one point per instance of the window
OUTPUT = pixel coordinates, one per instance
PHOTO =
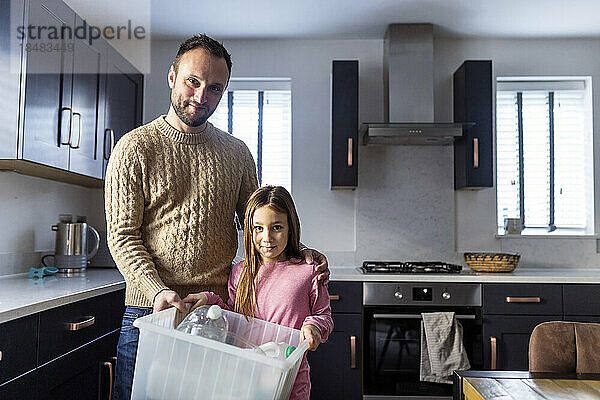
(259, 112)
(544, 154)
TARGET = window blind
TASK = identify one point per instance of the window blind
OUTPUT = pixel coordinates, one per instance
(271, 149)
(277, 135)
(564, 111)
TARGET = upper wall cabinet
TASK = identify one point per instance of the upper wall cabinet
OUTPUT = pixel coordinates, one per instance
(473, 152)
(10, 79)
(344, 124)
(123, 86)
(64, 95)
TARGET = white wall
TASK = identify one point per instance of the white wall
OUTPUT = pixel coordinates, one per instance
(475, 211)
(405, 206)
(30, 206)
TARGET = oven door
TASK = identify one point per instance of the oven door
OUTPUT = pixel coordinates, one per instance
(393, 351)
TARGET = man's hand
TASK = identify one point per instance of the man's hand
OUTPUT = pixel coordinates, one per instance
(166, 299)
(197, 300)
(322, 267)
(312, 334)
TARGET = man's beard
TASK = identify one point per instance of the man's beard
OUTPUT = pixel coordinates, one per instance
(187, 117)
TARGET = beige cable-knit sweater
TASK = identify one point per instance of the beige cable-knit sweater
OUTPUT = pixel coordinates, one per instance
(170, 200)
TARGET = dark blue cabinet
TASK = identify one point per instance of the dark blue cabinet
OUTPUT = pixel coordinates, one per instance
(335, 367)
(344, 124)
(473, 152)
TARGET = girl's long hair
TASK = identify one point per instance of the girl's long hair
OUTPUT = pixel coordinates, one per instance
(280, 200)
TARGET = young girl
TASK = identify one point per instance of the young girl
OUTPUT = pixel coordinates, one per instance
(274, 283)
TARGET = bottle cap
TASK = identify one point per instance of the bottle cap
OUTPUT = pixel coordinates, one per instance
(289, 350)
(214, 312)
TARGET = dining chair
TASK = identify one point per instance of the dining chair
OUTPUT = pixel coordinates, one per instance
(565, 347)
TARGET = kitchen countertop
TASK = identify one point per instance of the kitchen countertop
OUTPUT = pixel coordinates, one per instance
(21, 296)
(519, 275)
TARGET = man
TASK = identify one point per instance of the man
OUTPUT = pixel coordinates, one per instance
(172, 189)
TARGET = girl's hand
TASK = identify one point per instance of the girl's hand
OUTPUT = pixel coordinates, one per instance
(312, 334)
(197, 300)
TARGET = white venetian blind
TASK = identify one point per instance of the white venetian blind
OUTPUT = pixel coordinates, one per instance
(570, 160)
(221, 115)
(507, 159)
(536, 159)
(571, 210)
(275, 144)
(277, 138)
(245, 119)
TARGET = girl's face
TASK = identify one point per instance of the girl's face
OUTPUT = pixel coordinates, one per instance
(270, 232)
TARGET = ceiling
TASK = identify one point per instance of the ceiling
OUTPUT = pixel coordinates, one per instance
(237, 19)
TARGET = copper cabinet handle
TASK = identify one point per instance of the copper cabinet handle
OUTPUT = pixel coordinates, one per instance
(334, 297)
(523, 299)
(494, 346)
(353, 352)
(80, 129)
(475, 153)
(77, 326)
(60, 141)
(111, 377)
(349, 151)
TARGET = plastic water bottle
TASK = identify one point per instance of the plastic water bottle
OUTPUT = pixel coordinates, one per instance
(279, 350)
(206, 321)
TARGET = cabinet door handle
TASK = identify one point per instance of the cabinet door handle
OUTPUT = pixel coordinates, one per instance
(112, 143)
(350, 152)
(80, 129)
(111, 378)
(77, 326)
(475, 153)
(494, 347)
(353, 352)
(60, 141)
(334, 297)
(0, 355)
(523, 299)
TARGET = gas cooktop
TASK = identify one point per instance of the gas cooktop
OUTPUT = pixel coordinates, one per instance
(408, 267)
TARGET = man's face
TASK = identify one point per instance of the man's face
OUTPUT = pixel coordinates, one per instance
(198, 86)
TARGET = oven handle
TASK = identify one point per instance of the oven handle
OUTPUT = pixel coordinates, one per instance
(415, 316)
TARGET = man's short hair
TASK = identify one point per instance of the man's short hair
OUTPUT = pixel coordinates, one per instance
(205, 42)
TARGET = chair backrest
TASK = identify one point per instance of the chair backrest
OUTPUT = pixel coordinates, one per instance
(565, 347)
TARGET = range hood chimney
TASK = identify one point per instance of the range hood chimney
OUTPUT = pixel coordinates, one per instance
(408, 92)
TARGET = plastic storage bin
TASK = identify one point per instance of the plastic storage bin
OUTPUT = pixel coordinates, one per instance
(175, 365)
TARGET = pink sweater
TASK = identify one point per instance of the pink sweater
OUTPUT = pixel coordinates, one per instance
(287, 294)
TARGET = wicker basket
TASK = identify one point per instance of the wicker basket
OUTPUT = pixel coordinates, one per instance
(492, 262)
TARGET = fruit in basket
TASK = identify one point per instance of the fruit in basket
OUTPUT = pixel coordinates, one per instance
(206, 321)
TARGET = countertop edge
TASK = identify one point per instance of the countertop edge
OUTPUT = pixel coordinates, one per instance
(30, 309)
(523, 275)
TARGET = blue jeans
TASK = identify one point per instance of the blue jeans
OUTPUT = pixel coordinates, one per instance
(127, 351)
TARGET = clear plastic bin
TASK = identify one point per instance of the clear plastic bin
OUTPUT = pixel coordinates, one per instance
(174, 365)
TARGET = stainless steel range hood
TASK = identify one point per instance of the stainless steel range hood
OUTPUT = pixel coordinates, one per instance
(408, 92)
(412, 133)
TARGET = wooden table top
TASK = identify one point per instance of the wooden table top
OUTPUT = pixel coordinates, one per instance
(488, 388)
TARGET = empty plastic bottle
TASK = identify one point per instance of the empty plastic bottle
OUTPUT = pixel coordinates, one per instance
(279, 350)
(206, 321)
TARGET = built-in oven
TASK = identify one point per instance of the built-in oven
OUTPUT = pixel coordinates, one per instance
(392, 335)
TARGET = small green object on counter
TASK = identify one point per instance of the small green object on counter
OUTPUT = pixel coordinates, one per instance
(289, 350)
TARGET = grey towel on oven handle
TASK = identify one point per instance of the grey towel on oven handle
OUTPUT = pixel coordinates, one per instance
(442, 349)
